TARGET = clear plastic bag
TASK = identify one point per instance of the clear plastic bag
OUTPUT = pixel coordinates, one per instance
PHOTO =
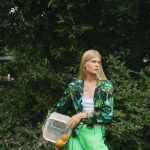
(55, 126)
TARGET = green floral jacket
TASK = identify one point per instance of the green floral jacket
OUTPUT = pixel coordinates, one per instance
(103, 103)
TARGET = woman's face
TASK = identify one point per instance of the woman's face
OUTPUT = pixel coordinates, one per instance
(93, 65)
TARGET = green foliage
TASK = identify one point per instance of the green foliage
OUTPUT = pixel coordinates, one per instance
(46, 39)
(131, 110)
(27, 99)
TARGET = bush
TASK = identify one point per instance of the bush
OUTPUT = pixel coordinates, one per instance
(25, 102)
(131, 124)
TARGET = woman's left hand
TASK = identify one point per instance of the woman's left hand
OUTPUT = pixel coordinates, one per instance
(74, 120)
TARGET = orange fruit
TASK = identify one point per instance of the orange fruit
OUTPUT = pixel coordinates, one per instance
(59, 143)
(64, 136)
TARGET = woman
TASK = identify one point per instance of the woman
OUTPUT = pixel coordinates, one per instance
(92, 98)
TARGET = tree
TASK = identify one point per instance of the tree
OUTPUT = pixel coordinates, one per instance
(46, 39)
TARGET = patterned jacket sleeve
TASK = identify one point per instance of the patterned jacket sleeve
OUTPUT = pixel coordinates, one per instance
(104, 113)
(61, 102)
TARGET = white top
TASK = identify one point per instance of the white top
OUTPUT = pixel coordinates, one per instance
(87, 104)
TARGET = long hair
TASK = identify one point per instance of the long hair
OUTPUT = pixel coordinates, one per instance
(87, 55)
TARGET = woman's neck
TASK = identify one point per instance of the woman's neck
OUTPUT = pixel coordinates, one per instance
(90, 78)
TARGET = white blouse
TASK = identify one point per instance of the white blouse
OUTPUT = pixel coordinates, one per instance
(87, 104)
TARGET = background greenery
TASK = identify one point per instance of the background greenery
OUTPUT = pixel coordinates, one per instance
(46, 39)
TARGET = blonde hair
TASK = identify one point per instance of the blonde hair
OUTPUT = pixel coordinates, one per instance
(87, 55)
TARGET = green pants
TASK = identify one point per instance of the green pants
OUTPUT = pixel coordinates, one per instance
(88, 139)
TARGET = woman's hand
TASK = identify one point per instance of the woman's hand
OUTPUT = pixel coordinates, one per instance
(74, 120)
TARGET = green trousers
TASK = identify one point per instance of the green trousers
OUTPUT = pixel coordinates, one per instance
(88, 139)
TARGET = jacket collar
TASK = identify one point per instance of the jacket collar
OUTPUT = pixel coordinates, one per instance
(80, 85)
(81, 82)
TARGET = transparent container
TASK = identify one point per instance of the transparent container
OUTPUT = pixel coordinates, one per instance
(55, 126)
